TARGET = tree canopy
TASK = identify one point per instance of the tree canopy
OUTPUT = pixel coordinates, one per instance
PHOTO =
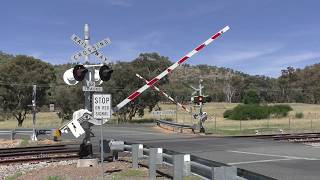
(124, 82)
(17, 77)
(19, 73)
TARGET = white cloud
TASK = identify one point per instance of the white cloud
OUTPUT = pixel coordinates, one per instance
(275, 63)
(267, 59)
(130, 49)
(295, 58)
(123, 50)
(241, 54)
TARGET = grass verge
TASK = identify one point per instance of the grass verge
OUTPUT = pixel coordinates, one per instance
(15, 176)
(130, 174)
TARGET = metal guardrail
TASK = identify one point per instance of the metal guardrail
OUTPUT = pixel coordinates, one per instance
(201, 167)
(28, 132)
(176, 125)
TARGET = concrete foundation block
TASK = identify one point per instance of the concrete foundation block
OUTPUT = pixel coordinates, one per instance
(87, 162)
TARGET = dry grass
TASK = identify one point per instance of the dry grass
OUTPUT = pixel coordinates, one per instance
(219, 125)
(43, 120)
(215, 123)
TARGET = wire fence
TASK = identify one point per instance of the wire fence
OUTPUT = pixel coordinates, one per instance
(304, 118)
(310, 122)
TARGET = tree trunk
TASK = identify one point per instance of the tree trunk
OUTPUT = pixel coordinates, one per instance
(20, 120)
(20, 117)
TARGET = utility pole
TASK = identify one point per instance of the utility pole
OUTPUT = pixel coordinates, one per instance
(34, 93)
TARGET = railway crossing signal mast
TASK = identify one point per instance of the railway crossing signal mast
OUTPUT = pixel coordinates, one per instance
(199, 100)
(83, 118)
(91, 77)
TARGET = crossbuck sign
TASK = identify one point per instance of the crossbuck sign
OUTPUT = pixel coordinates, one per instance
(90, 49)
(101, 106)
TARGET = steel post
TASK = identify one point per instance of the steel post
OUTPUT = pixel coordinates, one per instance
(34, 92)
(87, 94)
(181, 166)
(225, 173)
(137, 153)
(12, 134)
(155, 157)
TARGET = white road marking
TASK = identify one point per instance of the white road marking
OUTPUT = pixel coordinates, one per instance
(134, 134)
(259, 161)
(274, 155)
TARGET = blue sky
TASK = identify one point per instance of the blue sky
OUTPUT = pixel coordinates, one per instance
(265, 37)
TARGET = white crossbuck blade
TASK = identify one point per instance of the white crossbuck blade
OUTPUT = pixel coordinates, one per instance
(150, 83)
(90, 49)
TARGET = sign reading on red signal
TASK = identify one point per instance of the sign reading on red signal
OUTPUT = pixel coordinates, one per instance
(101, 106)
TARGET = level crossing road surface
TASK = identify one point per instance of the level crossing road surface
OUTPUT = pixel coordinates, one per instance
(280, 160)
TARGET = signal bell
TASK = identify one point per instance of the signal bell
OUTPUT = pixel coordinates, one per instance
(105, 73)
(79, 72)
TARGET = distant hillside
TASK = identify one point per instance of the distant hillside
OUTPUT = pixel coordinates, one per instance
(187, 72)
(221, 84)
(4, 57)
(301, 85)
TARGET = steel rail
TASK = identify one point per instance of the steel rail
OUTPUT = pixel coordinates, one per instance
(51, 151)
(37, 159)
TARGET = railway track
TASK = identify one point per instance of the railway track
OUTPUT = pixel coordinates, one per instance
(298, 138)
(49, 153)
(293, 137)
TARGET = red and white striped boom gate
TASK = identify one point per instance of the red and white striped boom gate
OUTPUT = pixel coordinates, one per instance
(165, 94)
(150, 83)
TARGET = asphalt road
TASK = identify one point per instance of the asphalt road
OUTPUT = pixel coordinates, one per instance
(280, 160)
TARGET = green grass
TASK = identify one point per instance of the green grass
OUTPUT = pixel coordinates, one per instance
(129, 173)
(191, 177)
(15, 176)
(24, 142)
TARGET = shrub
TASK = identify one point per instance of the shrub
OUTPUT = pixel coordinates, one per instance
(256, 111)
(279, 110)
(227, 113)
(299, 115)
(249, 111)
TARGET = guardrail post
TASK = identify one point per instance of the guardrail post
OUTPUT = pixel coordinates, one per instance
(12, 134)
(181, 166)
(137, 152)
(155, 157)
(225, 173)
